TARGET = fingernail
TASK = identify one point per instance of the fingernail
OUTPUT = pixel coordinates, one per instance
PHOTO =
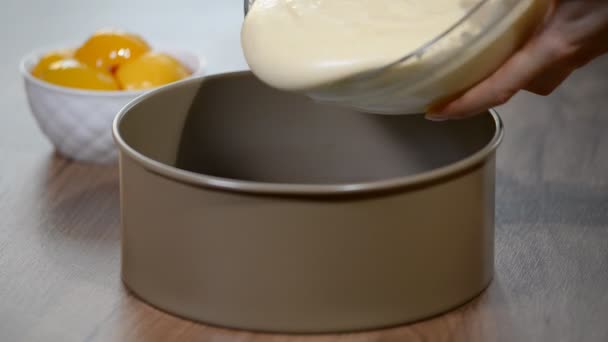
(436, 118)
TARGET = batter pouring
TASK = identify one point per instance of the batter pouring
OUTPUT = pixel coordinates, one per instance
(313, 46)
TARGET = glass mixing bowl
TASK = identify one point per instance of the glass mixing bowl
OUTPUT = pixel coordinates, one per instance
(443, 68)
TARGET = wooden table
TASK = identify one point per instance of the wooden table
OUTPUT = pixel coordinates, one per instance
(59, 225)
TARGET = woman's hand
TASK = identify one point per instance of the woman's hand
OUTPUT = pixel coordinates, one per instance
(575, 33)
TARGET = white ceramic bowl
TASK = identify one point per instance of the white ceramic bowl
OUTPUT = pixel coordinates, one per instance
(79, 122)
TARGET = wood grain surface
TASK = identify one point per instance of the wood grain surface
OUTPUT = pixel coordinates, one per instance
(59, 220)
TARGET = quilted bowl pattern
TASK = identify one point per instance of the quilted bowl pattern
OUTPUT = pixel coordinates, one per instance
(79, 122)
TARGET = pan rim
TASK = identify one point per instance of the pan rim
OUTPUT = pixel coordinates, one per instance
(433, 176)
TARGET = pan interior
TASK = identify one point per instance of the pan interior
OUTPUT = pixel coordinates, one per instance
(233, 126)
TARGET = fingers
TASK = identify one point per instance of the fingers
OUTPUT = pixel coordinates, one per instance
(520, 70)
(576, 33)
(545, 83)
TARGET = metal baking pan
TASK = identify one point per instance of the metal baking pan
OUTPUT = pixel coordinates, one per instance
(246, 207)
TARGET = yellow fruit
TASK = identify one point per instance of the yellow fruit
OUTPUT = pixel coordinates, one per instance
(109, 48)
(50, 58)
(74, 74)
(150, 70)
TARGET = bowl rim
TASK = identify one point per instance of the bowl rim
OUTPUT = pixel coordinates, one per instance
(424, 47)
(294, 189)
(29, 58)
(418, 51)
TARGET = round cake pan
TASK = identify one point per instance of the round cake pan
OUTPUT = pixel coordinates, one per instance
(246, 207)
